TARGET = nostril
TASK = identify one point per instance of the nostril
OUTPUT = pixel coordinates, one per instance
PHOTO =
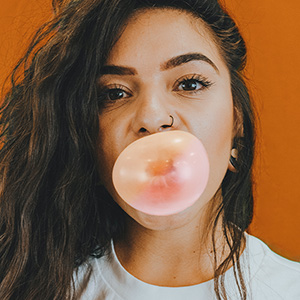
(150, 125)
(142, 130)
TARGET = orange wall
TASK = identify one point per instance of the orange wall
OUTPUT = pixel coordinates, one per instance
(271, 30)
(18, 21)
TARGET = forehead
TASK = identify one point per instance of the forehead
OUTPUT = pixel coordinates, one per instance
(162, 33)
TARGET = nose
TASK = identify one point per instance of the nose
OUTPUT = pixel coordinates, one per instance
(152, 114)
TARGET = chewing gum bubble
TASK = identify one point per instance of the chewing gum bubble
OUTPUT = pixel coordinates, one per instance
(163, 173)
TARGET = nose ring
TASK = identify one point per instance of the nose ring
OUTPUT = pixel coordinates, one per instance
(167, 126)
(172, 121)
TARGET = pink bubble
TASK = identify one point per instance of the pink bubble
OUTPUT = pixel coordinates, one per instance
(163, 173)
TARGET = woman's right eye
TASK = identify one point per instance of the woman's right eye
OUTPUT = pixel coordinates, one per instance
(114, 93)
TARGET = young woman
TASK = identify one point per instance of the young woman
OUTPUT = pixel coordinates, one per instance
(101, 75)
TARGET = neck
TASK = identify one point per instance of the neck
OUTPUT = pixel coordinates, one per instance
(180, 256)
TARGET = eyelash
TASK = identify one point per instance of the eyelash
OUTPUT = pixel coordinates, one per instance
(195, 78)
(204, 82)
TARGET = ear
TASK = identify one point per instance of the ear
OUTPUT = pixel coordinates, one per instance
(232, 165)
(238, 132)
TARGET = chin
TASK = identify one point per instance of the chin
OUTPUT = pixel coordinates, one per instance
(168, 222)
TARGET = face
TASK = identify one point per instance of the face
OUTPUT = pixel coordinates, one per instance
(166, 63)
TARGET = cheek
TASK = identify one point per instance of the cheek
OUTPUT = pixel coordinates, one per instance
(220, 133)
(214, 127)
(106, 150)
(218, 144)
(111, 141)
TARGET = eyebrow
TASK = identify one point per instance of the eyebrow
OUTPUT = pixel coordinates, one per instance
(185, 58)
(117, 70)
(169, 64)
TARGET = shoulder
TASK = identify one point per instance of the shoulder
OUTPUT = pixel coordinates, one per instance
(271, 273)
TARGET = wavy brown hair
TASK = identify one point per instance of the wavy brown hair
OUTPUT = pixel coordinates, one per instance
(53, 213)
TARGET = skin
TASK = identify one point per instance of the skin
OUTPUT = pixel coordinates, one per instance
(154, 246)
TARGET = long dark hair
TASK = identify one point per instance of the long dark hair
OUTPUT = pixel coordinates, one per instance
(53, 213)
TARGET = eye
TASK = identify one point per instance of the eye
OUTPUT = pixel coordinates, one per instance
(192, 83)
(113, 93)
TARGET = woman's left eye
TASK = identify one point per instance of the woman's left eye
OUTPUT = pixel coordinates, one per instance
(192, 83)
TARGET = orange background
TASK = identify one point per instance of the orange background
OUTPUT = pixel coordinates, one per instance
(271, 29)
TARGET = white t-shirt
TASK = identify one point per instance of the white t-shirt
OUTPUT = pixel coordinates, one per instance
(268, 276)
